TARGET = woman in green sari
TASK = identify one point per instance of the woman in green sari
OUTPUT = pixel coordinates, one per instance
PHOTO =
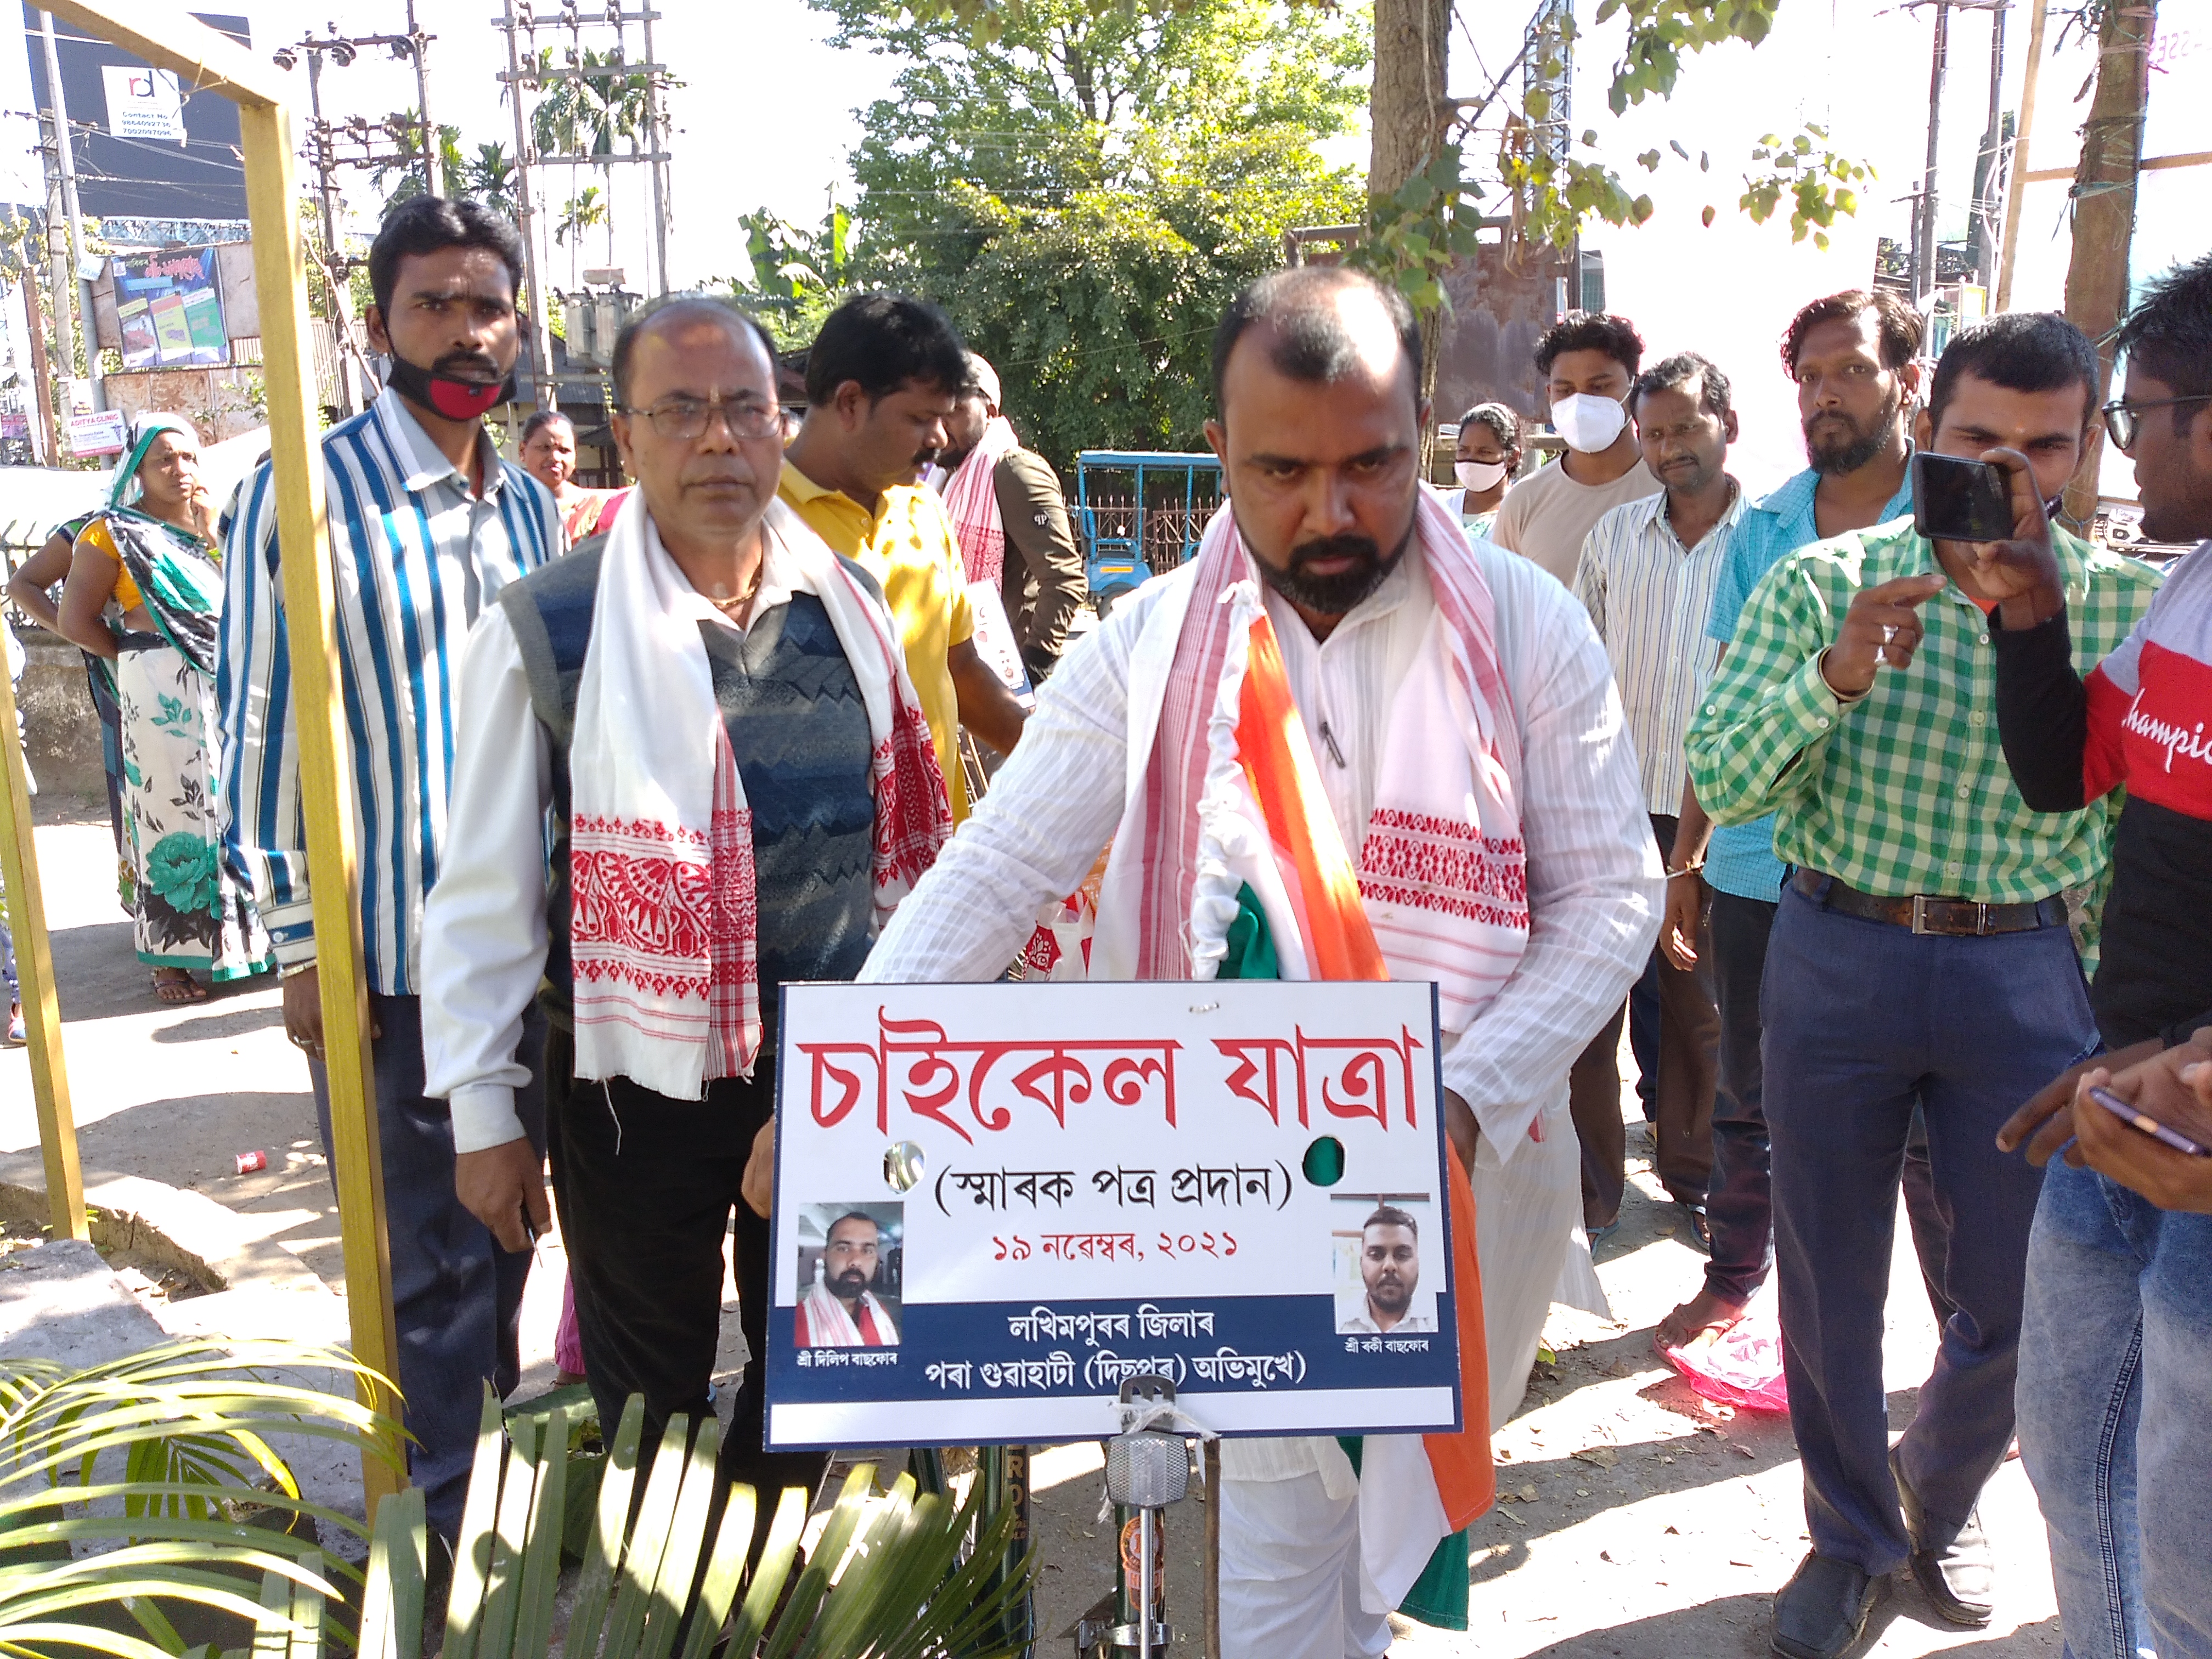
(152, 555)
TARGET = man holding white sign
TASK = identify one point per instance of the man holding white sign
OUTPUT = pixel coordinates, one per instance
(1342, 744)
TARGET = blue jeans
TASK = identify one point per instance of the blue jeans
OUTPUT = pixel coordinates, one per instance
(2115, 1407)
(1864, 1022)
(456, 1295)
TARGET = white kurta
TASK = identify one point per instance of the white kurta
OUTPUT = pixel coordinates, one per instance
(1595, 889)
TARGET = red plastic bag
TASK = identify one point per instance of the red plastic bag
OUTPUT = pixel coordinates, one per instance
(1741, 1368)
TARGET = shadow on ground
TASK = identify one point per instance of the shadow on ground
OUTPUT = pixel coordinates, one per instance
(1738, 1627)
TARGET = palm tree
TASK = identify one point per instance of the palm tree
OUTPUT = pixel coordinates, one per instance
(166, 1455)
(590, 115)
(490, 175)
(578, 215)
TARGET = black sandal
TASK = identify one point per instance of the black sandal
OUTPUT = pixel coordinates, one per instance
(1701, 1229)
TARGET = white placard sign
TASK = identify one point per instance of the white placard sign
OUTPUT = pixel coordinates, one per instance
(995, 1203)
(143, 103)
(101, 432)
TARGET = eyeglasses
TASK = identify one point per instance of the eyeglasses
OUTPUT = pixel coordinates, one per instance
(683, 420)
(2123, 420)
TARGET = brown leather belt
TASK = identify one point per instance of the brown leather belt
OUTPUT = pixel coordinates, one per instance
(1951, 917)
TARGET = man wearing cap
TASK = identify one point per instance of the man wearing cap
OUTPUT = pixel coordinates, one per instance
(1000, 496)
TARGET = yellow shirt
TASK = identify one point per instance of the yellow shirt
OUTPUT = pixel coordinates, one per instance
(97, 536)
(909, 546)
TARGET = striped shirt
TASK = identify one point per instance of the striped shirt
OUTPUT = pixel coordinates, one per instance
(1650, 597)
(415, 556)
(1904, 790)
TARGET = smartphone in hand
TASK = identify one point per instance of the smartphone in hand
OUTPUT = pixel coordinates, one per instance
(2149, 1125)
(1955, 500)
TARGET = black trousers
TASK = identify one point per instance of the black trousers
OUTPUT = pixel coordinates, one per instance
(456, 1296)
(1688, 1042)
(647, 1188)
(1739, 1198)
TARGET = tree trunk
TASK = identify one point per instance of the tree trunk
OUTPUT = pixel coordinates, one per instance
(2105, 208)
(1406, 112)
(1404, 106)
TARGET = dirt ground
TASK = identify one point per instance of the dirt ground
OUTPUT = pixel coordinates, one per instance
(1642, 1523)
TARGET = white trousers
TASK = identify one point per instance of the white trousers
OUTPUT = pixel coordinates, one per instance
(1289, 1574)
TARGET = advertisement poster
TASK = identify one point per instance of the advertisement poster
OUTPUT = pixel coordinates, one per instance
(995, 1203)
(143, 103)
(101, 432)
(169, 310)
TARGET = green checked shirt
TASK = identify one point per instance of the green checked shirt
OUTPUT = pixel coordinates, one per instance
(1906, 790)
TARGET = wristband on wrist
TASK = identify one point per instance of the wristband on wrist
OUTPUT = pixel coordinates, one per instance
(1687, 870)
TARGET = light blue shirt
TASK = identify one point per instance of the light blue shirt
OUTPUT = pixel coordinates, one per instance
(1740, 858)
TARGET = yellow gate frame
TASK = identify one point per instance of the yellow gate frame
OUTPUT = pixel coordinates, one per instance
(167, 38)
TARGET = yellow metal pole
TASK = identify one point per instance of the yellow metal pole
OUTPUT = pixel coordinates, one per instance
(325, 787)
(34, 970)
(169, 38)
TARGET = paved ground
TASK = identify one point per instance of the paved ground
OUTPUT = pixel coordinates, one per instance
(1658, 1528)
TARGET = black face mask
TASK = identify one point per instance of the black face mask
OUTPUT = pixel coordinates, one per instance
(443, 394)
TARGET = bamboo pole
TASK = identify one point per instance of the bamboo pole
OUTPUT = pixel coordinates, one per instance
(2020, 158)
(34, 970)
(166, 37)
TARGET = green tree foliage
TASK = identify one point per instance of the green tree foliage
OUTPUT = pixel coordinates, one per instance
(798, 274)
(1082, 189)
(1420, 229)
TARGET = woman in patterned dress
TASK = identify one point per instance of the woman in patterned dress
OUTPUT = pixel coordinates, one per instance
(152, 554)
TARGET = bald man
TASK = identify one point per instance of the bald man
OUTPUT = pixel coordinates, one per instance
(1454, 701)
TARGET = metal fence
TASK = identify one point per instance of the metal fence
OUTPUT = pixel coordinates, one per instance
(1166, 528)
(18, 539)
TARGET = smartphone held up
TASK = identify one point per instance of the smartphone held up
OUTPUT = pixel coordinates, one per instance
(1956, 500)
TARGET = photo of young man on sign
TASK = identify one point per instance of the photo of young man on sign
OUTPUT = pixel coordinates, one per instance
(851, 1257)
(1378, 1277)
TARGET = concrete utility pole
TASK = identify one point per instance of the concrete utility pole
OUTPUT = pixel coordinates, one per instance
(1923, 242)
(60, 280)
(1988, 169)
(433, 159)
(66, 159)
(42, 377)
(541, 329)
(2105, 208)
(335, 274)
(653, 135)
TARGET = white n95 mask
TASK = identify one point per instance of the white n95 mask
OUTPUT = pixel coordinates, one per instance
(1589, 424)
(1475, 476)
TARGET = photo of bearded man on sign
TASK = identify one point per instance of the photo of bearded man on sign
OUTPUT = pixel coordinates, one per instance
(1343, 741)
(840, 1309)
